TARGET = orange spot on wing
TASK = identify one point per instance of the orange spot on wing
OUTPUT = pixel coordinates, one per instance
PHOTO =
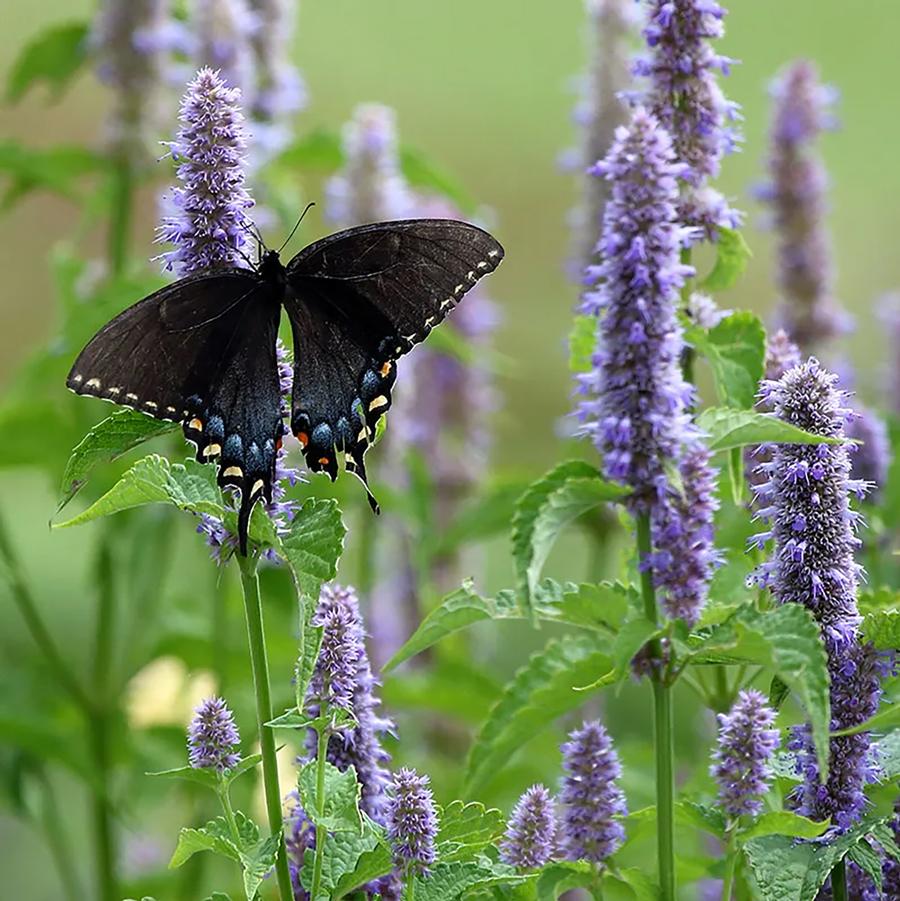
(385, 369)
(303, 438)
(324, 460)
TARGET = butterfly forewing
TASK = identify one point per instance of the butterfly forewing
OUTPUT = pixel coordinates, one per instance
(358, 300)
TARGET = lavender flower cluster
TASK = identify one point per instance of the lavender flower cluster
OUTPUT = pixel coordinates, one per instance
(213, 737)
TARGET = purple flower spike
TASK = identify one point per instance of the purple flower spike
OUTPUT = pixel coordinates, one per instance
(746, 746)
(344, 677)
(530, 838)
(130, 41)
(796, 196)
(636, 406)
(299, 837)
(370, 186)
(871, 457)
(599, 112)
(591, 796)
(213, 737)
(412, 824)
(281, 90)
(209, 224)
(224, 29)
(685, 97)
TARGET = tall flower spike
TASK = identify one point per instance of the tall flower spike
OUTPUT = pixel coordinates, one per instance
(370, 187)
(796, 196)
(871, 455)
(223, 31)
(889, 314)
(637, 400)
(130, 41)
(209, 222)
(530, 838)
(742, 759)
(684, 95)
(806, 500)
(213, 737)
(412, 824)
(599, 113)
(591, 797)
(344, 677)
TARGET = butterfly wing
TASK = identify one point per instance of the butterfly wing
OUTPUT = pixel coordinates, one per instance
(200, 351)
(358, 300)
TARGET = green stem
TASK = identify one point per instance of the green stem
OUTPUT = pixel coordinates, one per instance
(225, 799)
(321, 755)
(839, 882)
(410, 887)
(663, 732)
(730, 866)
(57, 841)
(120, 215)
(260, 666)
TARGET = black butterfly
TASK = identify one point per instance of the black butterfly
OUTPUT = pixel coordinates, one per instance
(202, 350)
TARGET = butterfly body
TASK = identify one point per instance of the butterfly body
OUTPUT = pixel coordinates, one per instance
(202, 350)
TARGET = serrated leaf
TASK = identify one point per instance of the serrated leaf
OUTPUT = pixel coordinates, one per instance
(561, 495)
(643, 887)
(245, 766)
(55, 169)
(190, 486)
(105, 442)
(539, 692)
(465, 829)
(727, 428)
(732, 256)
(209, 778)
(582, 344)
(343, 860)
(340, 812)
(291, 719)
(257, 862)
(735, 350)
(54, 56)
(869, 861)
(783, 822)
(371, 864)
(310, 645)
(190, 841)
(702, 816)
(557, 878)
(313, 545)
(882, 629)
(788, 640)
(452, 881)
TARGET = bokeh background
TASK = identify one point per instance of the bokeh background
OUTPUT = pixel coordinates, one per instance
(485, 90)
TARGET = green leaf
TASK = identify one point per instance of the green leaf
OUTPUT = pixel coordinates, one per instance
(190, 486)
(887, 753)
(727, 428)
(560, 877)
(786, 639)
(783, 822)
(421, 172)
(291, 719)
(247, 764)
(466, 829)
(454, 880)
(869, 861)
(887, 718)
(310, 645)
(732, 257)
(561, 495)
(340, 812)
(212, 837)
(539, 692)
(314, 544)
(371, 863)
(55, 169)
(643, 887)
(209, 778)
(882, 628)
(487, 515)
(702, 816)
(54, 56)
(736, 351)
(582, 344)
(257, 862)
(349, 860)
(105, 442)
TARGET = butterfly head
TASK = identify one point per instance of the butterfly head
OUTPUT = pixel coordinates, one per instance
(271, 268)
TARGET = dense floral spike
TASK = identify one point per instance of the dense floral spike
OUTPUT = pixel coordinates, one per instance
(600, 112)
(591, 797)
(686, 99)
(280, 90)
(747, 743)
(637, 400)
(344, 677)
(210, 225)
(223, 30)
(412, 823)
(807, 502)
(889, 314)
(130, 41)
(299, 836)
(683, 536)
(213, 737)
(530, 838)
(370, 186)
(871, 457)
(796, 196)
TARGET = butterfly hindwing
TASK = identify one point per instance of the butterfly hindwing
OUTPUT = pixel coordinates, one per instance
(200, 351)
(358, 300)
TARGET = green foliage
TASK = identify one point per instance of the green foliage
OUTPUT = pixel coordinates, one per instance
(728, 428)
(56, 169)
(54, 56)
(210, 778)
(783, 822)
(732, 256)
(340, 808)
(566, 492)
(313, 544)
(451, 881)
(466, 829)
(736, 351)
(582, 343)
(882, 628)
(542, 690)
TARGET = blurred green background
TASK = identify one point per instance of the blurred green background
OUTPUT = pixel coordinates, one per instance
(484, 89)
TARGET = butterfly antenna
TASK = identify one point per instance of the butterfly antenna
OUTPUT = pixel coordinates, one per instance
(309, 206)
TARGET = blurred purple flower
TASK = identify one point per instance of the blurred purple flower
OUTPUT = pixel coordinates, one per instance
(223, 31)
(591, 797)
(871, 457)
(412, 823)
(213, 738)
(281, 90)
(531, 833)
(684, 95)
(888, 308)
(796, 195)
(747, 743)
(299, 837)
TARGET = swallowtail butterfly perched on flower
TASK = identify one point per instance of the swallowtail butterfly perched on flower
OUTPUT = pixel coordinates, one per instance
(202, 350)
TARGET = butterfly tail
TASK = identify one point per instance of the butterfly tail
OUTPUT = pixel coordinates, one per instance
(355, 465)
